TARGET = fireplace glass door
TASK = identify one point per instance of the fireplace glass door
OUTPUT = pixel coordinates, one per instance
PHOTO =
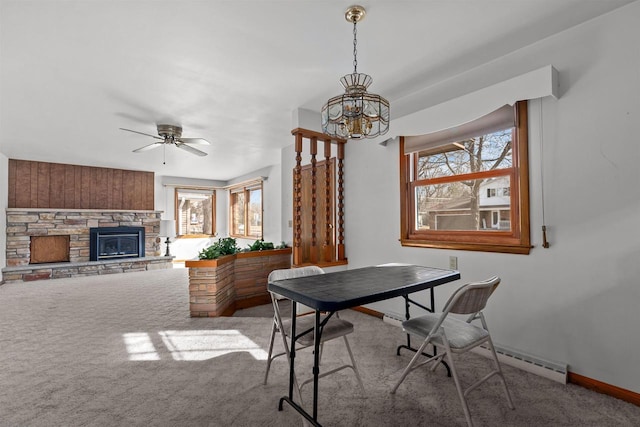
(116, 242)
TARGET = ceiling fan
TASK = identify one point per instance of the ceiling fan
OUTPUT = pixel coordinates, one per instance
(170, 134)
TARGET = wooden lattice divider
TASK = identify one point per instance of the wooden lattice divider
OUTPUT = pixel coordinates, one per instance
(327, 249)
(341, 251)
(297, 200)
(329, 252)
(313, 253)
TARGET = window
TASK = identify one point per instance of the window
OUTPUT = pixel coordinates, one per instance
(499, 192)
(471, 193)
(245, 205)
(195, 212)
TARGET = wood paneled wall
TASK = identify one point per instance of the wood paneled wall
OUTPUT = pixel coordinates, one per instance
(55, 185)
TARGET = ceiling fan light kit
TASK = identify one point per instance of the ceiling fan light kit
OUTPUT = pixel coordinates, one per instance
(171, 134)
(168, 131)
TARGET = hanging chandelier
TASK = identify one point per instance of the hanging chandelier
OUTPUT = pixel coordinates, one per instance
(357, 113)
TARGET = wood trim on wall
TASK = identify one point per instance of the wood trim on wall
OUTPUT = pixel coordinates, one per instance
(368, 311)
(61, 186)
(604, 388)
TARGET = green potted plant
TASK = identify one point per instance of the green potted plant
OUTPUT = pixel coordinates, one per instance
(224, 246)
(260, 245)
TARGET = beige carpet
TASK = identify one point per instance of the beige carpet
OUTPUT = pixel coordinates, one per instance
(121, 350)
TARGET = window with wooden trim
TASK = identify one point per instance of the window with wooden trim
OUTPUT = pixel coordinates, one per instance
(245, 205)
(468, 188)
(195, 212)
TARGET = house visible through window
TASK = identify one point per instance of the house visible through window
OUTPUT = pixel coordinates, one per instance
(195, 212)
(469, 193)
(245, 205)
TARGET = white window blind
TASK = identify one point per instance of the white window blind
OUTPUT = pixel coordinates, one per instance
(502, 118)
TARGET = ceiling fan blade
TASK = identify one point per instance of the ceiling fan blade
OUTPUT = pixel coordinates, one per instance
(195, 141)
(142, 133)
(148, 147)
(190, 149)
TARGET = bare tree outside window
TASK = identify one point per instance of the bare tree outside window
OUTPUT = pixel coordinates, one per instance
(460, 198)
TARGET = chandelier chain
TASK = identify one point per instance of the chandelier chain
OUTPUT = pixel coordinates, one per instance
(355, 50)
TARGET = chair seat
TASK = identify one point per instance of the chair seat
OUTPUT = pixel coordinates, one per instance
(459, 333)
(334, 328)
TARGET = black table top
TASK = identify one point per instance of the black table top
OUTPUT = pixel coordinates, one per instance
(350, 288)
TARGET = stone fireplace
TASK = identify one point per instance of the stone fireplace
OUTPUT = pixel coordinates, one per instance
(48, 243)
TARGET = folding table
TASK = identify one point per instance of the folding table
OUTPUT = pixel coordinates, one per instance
(340, 290)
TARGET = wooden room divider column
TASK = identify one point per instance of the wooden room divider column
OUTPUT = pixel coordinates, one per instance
(315, 238)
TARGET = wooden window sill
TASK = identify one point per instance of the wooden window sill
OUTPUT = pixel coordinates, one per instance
(483, 247)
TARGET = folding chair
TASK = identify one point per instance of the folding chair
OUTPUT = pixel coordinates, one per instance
(334, 328)
(457, 336)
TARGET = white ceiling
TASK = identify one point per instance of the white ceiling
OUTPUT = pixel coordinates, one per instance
(231, 71)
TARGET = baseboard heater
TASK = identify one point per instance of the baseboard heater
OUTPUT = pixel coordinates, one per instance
(554, 371)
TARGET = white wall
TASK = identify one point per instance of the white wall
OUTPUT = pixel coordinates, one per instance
(4, 200)
(288, 162)
(576, 302)
(272, 206)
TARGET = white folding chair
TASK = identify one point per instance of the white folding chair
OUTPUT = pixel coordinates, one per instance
(334, 328)
(457, 336)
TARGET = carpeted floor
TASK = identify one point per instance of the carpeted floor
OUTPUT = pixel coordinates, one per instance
(121, 350)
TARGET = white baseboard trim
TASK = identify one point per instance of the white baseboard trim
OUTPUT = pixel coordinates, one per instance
(392, 321)
(550, 370)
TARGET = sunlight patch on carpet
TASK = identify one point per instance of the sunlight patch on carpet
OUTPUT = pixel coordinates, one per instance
(208, 344)
(140, 347)
(191, 345)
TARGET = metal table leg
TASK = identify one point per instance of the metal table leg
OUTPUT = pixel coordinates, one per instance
(317, 330)
(407, 302)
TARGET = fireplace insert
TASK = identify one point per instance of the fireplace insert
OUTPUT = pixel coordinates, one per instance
(116, 242)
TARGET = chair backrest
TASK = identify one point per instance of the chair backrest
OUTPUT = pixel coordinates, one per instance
(472, 297)
(292, 273)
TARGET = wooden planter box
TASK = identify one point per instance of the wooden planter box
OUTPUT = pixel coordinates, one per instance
(220, 286)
